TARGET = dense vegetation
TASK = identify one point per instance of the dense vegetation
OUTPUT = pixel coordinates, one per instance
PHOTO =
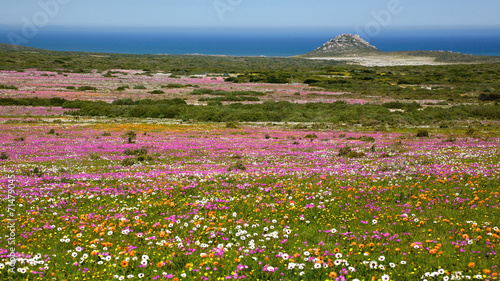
(456, 83)
(269, 111)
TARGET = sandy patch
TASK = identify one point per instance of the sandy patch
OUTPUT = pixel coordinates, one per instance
(385, 60)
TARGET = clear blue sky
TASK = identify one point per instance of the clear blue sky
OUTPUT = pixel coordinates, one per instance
(250, 13)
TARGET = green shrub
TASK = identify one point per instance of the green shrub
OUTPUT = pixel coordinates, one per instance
(470, 132)
(367, 139)
(140, 151)
(140, 87)
(51, 132)
(130, 135)
(94, 156)
(4, 156)
(157, 92)
(144, 157)
(174, 85)
(202, 92)
(122, 88)
(7, 87)
(356, 154)
(237, 166)
(422, 134)
(231, 125)
(86, 88)
(311, 136)
(128, 162)
(345, 151)
(35, 172)
(450, 138)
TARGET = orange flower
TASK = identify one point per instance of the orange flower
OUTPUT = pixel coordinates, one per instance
(472, 264)
(332, 274)
(433, 251)
(160, 264)
(486, 271)
(124, 263)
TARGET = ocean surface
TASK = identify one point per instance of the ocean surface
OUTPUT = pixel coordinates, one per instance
(247, 44)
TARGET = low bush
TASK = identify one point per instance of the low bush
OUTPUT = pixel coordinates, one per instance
(86, 88)
(128, 162)
(344, 151)
(157, 92)
(238, 165)
(140, 151)
(422, 134)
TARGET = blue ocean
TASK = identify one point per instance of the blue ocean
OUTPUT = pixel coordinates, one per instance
(271, 44)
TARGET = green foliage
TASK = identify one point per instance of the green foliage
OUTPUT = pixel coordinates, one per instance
(422, 134)
(4, 156)
(470, 132)
(136, 152)
(230, 98)
(231, 125)
(174, 86)
(238, 165)
(344, 151)
(7, 87)
(86, 88)
(94, 156)
(367, 139)
(311, 136)
(128, 162)
(130, 135)
(489, 97)
(356, 154)
(157, 92)
(140, 87)
(402, 105)
(32, 101)
(51, 132)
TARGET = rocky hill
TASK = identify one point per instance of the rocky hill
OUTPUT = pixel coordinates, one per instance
(345, 44)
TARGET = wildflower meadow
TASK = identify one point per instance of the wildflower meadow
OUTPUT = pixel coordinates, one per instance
(108, 199)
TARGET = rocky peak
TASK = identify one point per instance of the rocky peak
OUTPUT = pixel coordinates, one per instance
(342, 45)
